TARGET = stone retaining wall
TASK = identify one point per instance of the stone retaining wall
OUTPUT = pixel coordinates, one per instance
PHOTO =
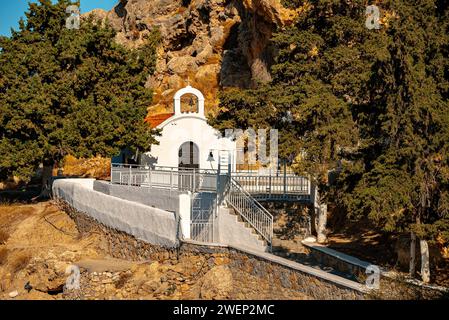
(392, 285)
(337, 260)
(124, 246)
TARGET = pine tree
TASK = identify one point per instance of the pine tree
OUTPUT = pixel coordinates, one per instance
(68, 91)
(401, 175)
(369, 104)
(317, 76)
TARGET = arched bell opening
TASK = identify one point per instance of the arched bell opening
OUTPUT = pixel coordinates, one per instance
(189, 100)
(189, 103)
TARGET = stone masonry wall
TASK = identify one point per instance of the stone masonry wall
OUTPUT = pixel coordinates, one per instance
(124, 246)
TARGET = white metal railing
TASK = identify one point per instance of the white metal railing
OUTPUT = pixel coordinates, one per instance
(164, 177)
(202, 231)
(269, 186)
(202, 218)
(240, 189)
(264, 172)
(274, 184)
(250, 210)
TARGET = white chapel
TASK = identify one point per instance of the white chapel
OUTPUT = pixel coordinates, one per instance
(187, 140)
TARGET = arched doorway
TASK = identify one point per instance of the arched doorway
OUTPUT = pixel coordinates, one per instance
(188, 156)
(188, 164)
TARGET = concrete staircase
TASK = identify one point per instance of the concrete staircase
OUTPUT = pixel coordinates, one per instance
(235, 231)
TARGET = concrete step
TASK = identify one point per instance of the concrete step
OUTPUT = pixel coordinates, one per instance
(253, 231)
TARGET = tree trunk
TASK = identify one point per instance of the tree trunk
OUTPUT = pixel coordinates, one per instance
(320, 215)
(412, 253)
(425, 267)
(47, 173)
(322, 221)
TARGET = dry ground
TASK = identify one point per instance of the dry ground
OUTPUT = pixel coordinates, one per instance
(38, 242)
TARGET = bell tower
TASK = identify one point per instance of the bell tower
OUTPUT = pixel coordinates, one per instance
(192, 92)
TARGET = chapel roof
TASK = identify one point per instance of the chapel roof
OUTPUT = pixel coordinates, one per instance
(157, 119)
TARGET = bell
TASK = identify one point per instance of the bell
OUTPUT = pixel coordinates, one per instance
(191, 104)
(210, 158)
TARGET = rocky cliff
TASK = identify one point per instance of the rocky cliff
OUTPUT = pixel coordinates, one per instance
(207, 43)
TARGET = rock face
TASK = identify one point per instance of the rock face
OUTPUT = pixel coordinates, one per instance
(207, 43)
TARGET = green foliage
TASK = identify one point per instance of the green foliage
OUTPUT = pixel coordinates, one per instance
(369, 104)
(404, 127)
(66, 91)
(292, 4)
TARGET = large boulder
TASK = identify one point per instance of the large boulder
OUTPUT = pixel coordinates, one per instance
(180, 65)
(217, 283)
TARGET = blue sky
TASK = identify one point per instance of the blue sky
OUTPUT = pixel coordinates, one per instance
(12, 10)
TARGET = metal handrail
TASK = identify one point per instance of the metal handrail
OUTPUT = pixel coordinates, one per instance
(263, 173)
(194, 180)
(288, 184)
(172, 178)
(251, 210)
(269, 185)
(161, 168)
